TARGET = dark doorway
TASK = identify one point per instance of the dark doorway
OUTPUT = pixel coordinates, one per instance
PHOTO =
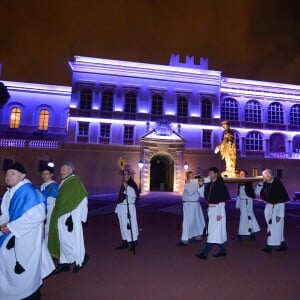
(162, 173)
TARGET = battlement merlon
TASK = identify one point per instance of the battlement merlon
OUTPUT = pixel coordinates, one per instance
(189, 62)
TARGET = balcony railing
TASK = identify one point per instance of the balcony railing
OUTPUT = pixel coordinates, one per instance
(22, 143)
(128, 141)
(12, 143)
(82, 139)
(43, 144)
(104, 140)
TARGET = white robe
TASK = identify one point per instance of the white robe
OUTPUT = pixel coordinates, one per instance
(121, 211)
(50, 202)
(32, 252)
(216, 232)
(193, 219)
(72, 247)
(276, 229)
(245, 205)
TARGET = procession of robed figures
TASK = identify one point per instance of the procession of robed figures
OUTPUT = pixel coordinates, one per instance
(61, 237)
(41, 229)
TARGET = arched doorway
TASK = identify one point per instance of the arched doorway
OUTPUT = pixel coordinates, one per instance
(161, 173)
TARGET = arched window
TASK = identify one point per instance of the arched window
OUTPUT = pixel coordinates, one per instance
(44, 119)
(295, 115)
(275, 113)
(277, 143)
(157, 104)
(130, 102)
(86, 96)
(182, 106)
(229, 110)
(254, 141)
(107, 101)
(15, 117)
(206, 109)
(253, 111)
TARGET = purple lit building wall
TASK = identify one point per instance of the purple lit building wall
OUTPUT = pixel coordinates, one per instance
(161, 115)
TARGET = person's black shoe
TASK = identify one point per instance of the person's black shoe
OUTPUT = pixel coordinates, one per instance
(220, 254)
(253, 236)
(267, 249)
(62, 268)
(77, 268)
(123, 246)
(201, 256)
(181, 244)
(133, 245)
(282, 247)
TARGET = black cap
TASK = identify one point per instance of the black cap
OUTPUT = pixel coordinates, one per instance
(16, 166)
(47, 168)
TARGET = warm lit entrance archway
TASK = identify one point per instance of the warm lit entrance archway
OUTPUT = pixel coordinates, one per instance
(162, 150)
(161, 173)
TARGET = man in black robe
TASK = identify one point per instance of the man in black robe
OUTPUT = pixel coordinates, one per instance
(273, 192)
(216, 194)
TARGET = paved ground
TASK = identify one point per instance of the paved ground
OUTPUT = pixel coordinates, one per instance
(162, 271)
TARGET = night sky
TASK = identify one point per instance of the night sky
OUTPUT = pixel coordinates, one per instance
(253, 39)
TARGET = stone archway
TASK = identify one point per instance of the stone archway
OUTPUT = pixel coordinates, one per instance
(161, 172)
(169, 150)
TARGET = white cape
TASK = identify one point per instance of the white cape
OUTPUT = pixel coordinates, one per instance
(31, 251)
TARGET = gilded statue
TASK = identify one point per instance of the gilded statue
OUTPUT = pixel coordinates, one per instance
(227, 150)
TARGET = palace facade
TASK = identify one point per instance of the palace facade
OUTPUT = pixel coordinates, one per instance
(163, 116)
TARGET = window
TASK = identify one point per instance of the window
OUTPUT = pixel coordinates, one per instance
(44, 119)
(254, 141)
(253, 111)
(83, 129)
(105, 133)
(15, 118)
(275, 113)
(130, 103)
(182, 106)
(277, 143)
(206, 109)
(295, 115)
(86, 96)
(128, 138)
(157, 105)
(206, 139)
(229, 110)
(107, 101)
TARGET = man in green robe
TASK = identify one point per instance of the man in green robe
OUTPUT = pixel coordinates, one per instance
(66, 242)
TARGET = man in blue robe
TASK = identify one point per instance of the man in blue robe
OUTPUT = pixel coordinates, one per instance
(49, 189)
(24, 257)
